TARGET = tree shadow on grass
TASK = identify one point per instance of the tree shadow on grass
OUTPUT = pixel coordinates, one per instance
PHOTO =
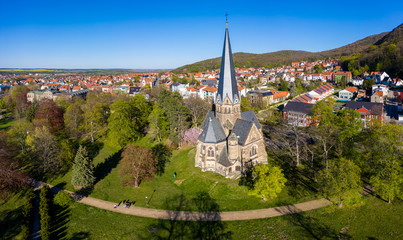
(60, 222)
(299, 183)
(93, 148)
(189, 225)
(80, 236)
(10, 223)
(104, 168)
(310, 227)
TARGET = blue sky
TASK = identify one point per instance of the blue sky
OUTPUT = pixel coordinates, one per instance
(169, 34)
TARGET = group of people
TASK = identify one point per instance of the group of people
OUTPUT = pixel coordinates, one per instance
(126, 204)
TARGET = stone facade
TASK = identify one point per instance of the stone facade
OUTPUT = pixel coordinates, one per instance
(231, 141)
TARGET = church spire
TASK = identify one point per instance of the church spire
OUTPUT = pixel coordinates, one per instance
(227, 86)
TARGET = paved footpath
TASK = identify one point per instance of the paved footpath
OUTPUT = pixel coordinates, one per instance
(194, 216)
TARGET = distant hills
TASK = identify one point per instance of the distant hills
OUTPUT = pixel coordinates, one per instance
(367, 51)
(385, 55)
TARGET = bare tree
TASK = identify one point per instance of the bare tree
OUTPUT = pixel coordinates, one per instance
(197, 108)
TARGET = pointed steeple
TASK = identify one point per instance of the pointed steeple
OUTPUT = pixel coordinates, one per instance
(227, 86)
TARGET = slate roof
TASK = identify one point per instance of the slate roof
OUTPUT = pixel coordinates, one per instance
(213, 132)
(250, 116)
(209, 115)
(375, 108)
(242, 129)
(223, 158)
(298, 107)
(227, 85)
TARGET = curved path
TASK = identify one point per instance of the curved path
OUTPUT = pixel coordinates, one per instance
(193, 216)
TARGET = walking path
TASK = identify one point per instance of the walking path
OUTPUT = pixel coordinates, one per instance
(193, 216)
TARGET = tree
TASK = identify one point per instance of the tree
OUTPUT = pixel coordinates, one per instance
(163, 154)
(138, 164)
(63, 199)
(121, 123)
(269, 181)
(44, 208)
(50, 115)
(96, 120)
(176, 113)
(158, 124)
(19, 100)
(44, 149)
(284, 85)
(83, 170)
(190, 136)
(73, 119)
(142, 110)
(341, 181)
(19, 132)
(197, 108)
(246, 104)
(30, 113)
(12, 177)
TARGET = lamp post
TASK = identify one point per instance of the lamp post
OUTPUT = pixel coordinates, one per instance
(146, 201)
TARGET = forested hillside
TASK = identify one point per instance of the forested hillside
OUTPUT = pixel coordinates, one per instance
(283, 57)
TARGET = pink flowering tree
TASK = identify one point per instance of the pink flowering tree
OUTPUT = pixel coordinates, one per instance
(189, 137)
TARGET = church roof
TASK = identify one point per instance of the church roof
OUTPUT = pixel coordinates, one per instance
(227, 86)
(223, 158)
(209, 115)
(250, 116)
(213, 132)
(241, 130)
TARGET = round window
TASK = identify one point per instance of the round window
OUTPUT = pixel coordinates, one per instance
(236, 100)
(218, 100)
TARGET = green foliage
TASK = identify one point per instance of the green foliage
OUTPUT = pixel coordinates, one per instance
(44, 211)
(83, 169)
(123, 123)
(163, 154)
(73, 119)
(30, 113)
(96, 119)
(388, 182)
(284, 85)
(340, 181)
(246, 104)
(63, 199)
(269, 181)
(158, 124)
(28, 214)
(176, 114)
(2, 103)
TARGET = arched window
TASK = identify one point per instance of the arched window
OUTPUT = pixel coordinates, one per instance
(253, 151)
(210, 152)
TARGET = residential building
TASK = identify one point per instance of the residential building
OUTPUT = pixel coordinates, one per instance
(369, 111)
(298, 113)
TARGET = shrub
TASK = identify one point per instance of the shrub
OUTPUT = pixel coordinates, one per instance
(63, 199)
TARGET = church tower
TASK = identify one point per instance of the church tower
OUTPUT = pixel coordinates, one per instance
(228, 100)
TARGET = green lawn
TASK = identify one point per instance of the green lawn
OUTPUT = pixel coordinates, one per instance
(373, 220)
(189, 183)
(5, 123)
(11, 217)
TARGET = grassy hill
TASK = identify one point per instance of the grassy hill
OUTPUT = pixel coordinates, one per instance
(283, 57)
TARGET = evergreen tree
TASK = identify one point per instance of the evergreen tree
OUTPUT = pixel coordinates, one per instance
(83, 169)
(44, 208)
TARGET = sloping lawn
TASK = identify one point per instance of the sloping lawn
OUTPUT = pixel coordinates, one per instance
(190, 182)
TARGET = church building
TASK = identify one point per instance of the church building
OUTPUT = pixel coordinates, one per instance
(231, 141)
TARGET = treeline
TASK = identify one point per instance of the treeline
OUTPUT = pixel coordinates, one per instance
(338, 156)
(44, 138)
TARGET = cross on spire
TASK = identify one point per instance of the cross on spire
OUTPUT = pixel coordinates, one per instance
(226, 19)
